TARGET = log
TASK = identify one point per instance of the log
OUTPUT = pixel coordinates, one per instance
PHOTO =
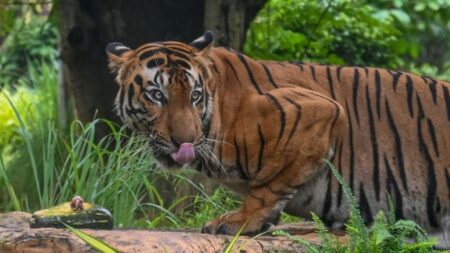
(16, 236)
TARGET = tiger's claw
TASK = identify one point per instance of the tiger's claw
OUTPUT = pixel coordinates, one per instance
(232, 223)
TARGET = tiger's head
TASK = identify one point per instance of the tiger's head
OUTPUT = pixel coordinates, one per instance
(163, 95)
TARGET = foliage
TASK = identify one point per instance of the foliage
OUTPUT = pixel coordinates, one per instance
(424, 25)
(28, 38)
(405, 34)
(385, 235)
(341, 31)
(36, 99)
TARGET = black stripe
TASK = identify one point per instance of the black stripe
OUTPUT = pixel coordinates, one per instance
(297, 116)
(447, 100)
(301, 94)
(260, 199)
(433, 136)
(121, 100)
(261, 148)
(177, 48)
(157, 78)
(420, 107)
(409, 90)
(364, 205)
(433, 89)
(447, 177)
(249, 72)
(247, 167)
(138, 80)
(182, 63)
(282, 115)
(338, 72)
(373, 140)
(177, 53)
(154, 63)
(339, 193)
(431, 177)
(391, 182)
(327, 202)
(335, 118)
(149, 53)
(330, 82)
(151, 83)
(352, 150)
(298, 64)
(130, 96)
(366, 71)
(165, 51)
(215, 67)
(232, 69)
(132, 111)
(241, 172)
(378, 92)
(206, 123)
(269, 75)
(355, 94)
(313, 71)
(395, 77)
(398, 145)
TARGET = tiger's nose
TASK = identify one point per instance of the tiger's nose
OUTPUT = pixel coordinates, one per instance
(178, 140)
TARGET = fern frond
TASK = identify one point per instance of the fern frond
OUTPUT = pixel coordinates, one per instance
(359, 234)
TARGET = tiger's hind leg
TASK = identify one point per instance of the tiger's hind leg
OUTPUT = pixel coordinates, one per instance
(443, 236)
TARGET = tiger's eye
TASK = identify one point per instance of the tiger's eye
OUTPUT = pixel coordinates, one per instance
(196, 95)
(158, 95)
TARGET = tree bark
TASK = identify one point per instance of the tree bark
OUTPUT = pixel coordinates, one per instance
(87, 26)
(16, 236)
(230, 19)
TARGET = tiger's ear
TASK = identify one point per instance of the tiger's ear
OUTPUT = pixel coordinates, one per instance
(203, 42)
(117, 53)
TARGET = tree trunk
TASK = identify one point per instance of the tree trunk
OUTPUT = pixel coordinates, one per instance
(230, 19)
(87, 26)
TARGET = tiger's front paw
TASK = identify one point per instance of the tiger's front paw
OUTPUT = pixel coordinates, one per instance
(230, 223)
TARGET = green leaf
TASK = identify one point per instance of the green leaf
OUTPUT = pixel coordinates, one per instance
(420, 6)
(402, 16)
(92, 241)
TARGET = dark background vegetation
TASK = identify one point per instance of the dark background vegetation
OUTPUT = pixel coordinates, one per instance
(57, 89)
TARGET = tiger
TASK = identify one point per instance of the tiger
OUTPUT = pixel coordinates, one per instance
(266, 129)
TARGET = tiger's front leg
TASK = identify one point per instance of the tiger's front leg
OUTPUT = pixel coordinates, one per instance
(292, 153)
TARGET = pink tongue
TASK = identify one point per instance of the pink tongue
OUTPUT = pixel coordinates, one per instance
(185, 154)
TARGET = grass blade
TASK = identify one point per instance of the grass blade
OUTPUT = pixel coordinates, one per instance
(92, 241)
(233, 241)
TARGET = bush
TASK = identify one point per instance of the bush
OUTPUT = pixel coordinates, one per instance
(335, 32)
(401, 34)
(31, 39)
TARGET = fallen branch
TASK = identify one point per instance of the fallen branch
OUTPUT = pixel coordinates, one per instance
(16, 236)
